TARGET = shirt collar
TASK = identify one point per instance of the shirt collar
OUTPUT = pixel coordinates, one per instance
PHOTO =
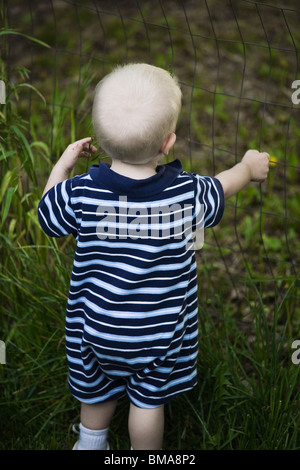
(141, 189)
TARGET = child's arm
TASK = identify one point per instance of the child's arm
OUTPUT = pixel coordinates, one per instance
(254, 166)
(67, 161)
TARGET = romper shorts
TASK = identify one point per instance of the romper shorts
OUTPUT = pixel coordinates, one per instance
(132, 316)
(150, 377)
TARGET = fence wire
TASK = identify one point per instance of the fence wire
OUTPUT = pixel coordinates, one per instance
(237, 62)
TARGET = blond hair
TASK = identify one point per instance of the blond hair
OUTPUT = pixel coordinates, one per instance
(135, 108)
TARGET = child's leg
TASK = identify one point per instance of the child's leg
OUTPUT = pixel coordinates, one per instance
(146, 427)
(94, 425)
(98, 415)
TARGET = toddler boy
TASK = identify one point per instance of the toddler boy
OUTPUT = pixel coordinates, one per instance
(131, 322)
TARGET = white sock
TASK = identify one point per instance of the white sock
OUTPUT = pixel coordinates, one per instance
(90, 439)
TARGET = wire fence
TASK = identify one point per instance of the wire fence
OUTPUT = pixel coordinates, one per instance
(238, 65)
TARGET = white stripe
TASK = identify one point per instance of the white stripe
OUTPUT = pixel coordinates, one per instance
(133, 269)
(123, 314)
(52, 215)
(111, 288)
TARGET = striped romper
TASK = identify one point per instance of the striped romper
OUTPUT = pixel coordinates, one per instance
(131, 320)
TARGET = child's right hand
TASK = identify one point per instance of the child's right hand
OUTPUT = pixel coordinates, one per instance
(253, 167)
(258, 164)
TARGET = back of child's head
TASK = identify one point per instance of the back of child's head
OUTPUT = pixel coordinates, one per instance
(135, 108)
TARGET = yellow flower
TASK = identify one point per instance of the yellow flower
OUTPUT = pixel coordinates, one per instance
(273, 160)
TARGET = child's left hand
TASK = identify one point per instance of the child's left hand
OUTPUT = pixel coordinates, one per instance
(66, 163)
(80, 148)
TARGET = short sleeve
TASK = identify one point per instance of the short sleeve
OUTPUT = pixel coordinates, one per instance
(55, 212)
(209, 201)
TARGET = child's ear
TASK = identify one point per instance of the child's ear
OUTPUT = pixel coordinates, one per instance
(168, 143)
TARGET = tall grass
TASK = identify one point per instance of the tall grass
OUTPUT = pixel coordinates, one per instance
(248, 388)
(34, 280)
